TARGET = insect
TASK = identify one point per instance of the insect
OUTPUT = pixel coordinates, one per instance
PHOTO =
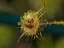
(32, 21)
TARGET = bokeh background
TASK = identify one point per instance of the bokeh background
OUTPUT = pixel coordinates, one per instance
(11, 10)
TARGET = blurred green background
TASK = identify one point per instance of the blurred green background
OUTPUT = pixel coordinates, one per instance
(9, 33)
